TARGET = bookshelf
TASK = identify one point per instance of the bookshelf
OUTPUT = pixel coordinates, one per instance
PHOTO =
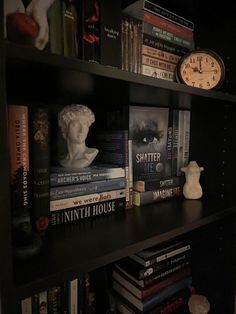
(81, 247)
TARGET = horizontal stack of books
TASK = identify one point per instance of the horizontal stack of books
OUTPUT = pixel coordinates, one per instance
(154, 39)
(153, 279)
(77, 194)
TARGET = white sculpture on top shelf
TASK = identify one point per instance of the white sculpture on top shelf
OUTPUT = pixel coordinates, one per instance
(192, 188)
(74, 121)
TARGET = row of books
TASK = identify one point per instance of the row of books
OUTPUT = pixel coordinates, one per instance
(154, 280)
(142, 38)
(154, 39)
(160, 148)
(72, 296)
(139, 163)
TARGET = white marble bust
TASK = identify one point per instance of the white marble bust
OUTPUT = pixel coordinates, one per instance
(74, 122)
(192, 188)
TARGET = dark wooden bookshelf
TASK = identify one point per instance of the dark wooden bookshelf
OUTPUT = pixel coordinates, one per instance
(95, 242)
(87, 245)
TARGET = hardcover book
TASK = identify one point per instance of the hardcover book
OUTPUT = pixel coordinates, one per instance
(175, 304)
(154, 255)
(156, 277)
(150, 303)
(65, 176)
(148, 132)
(144, 294)
(69, 25)
(39, 160)
(110, 45)
(89, 30)
(140, 272)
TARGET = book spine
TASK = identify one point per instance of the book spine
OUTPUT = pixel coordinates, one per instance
(86, 176)
(175, 303)
(168, 15)
(75, 190)
(167, 25)
(124, 42)
(163, 264)
(186, 138)
(165, 273)
(161, 257)
(110, 36)
(73, 296)
(167, 293)
(157, 73)
(83, 212)
(175, 141)
(55, 28)
(180, 161)
(86, 199)
(151, 185)
(149, 197)
(54, 300)
(163, 45)
(157, 63)
(114, 148)
(43, 302)
(168, 36)
(89, 30)
(160, 54)
(39, 151)
(69, 24)
(18, 139)
(26, 306)
(165, 283)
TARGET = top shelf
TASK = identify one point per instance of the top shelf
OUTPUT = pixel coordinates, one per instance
(66, 79)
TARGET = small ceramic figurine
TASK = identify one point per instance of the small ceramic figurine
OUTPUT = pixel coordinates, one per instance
(74, 121)
(192, 188)
(198, 304)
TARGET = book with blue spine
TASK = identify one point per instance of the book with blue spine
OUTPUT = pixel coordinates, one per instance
(95, 172)
(73, 190)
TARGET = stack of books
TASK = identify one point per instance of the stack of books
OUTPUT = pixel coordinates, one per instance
(160, 147)
(154, 39)
(77, 194)
(153, 279)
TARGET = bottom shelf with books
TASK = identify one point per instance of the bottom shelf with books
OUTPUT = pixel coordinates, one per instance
(161, 280)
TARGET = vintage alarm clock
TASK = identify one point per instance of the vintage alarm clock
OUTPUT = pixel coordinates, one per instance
(202, 68)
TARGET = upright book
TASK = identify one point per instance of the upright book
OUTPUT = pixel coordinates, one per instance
(26, 243)
(148, 132)
(39, 161)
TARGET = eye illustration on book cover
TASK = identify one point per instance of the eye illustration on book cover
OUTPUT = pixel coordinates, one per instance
(148, 131)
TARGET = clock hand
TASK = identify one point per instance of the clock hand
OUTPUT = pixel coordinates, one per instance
(200, 65)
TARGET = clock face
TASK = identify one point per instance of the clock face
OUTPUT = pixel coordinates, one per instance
(202, 69)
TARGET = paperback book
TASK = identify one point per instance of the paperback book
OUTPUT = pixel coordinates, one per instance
(82, 212)
(148, 132)
(144, 198)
